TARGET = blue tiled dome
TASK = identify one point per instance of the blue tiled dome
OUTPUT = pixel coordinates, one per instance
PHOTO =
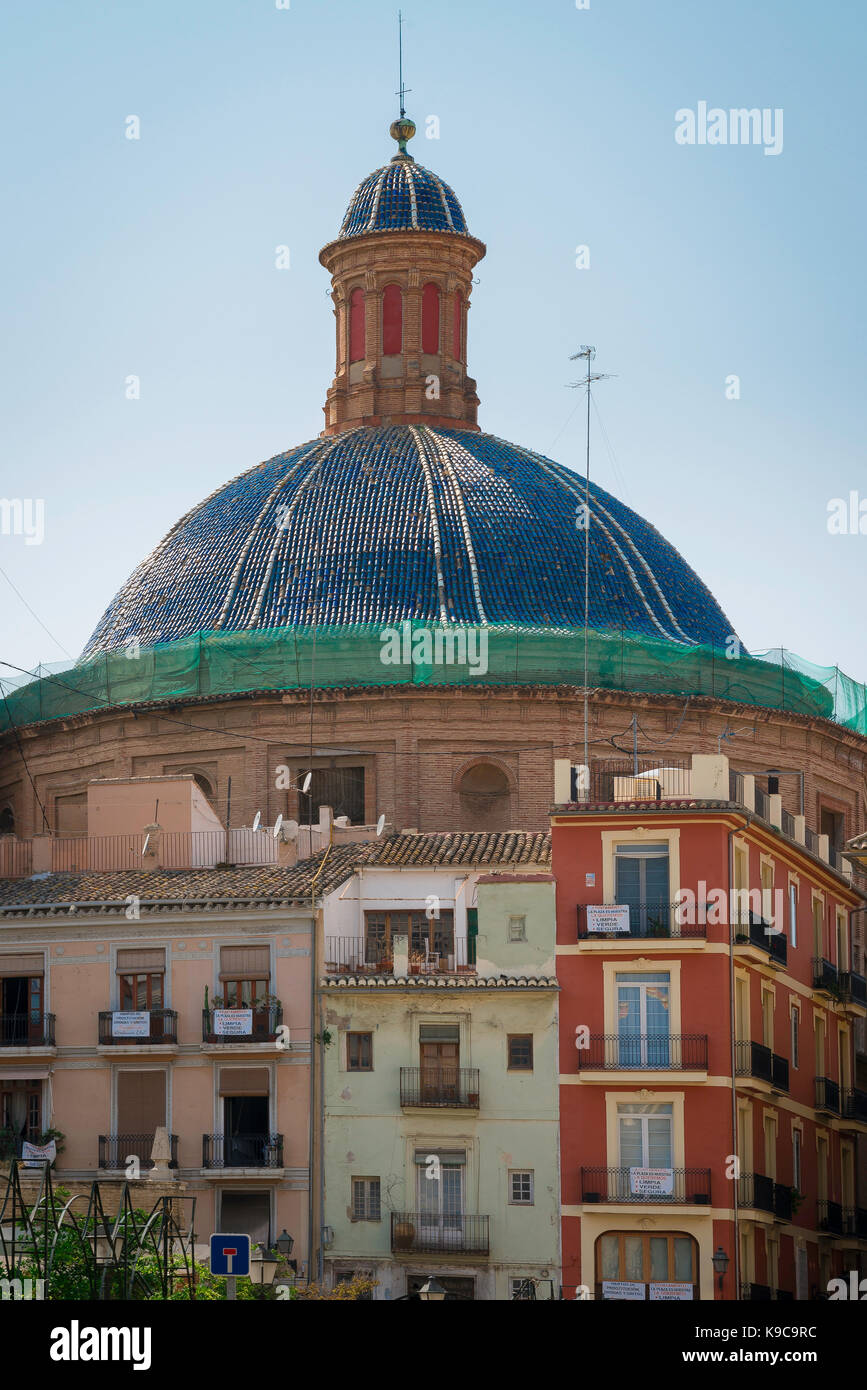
(380, 524)
(402, 197)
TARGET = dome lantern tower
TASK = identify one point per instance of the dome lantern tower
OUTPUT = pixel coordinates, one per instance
(401, 274)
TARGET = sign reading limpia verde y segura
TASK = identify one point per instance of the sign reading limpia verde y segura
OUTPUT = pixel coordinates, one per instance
(608, 919)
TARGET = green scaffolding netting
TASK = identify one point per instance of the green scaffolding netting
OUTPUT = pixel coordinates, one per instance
(218, 663)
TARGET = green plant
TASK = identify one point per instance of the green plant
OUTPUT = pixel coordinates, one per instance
(326, 1038)
(798, 1198)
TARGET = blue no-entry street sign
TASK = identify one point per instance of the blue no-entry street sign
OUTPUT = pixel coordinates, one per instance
(230, 1254)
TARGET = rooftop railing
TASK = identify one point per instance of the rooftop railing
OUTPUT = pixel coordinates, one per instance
(642, 779)
(353, 955)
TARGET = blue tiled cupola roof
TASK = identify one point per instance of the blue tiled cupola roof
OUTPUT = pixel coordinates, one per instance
(375, 525)
(402, 197)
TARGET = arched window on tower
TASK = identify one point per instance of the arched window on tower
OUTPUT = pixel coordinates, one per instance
(356, 326)
(430, 319)
(392, 321)
(458, 328)
(7, 821)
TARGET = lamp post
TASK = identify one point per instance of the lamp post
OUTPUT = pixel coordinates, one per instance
(720, 1262)
(283, 1245)
(432, 1291)
(263, 1267)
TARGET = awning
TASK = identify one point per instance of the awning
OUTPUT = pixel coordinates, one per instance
(244, 1081)
(245, 963)
(9, 1073)
(22, 965)
(151, 962)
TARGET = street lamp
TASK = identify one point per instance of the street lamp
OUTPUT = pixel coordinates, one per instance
(720, 1262)
(432, 1291)
(263, 1267)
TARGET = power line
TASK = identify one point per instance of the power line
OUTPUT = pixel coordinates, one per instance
(36, 615)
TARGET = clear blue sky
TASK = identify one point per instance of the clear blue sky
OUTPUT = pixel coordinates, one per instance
(156, 258)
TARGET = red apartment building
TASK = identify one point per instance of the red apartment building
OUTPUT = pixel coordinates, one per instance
(709, 1007)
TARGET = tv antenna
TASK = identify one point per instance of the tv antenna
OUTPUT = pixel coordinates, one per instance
(403, 90)
(588, 354)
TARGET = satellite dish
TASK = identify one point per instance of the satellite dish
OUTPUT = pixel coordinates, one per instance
(144, 848)
(380, 825)
(278, 826)
(305, 785)
(257, 819)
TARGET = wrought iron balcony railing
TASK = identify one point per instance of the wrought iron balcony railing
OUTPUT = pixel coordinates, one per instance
(33, 1029)
(640, 1185)
(646, 920)
(853, 987)
(439, 1233)
(241, 1025)
(650, 1051)
(830, 1216)
(855, 1222)
(756, 1293)
(116, 1150)
(355, 955)
(756, 1060)
(761, 1193)
(825, 976)
(138, 1029)
(855, 1106)
(752, 929)
(440, 1088)
(242, 1150)
(827, 1095)
(779, 1072)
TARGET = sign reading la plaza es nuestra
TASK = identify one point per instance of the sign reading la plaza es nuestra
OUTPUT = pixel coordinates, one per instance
(233, 1023)
(651, 1182)
(613, 918)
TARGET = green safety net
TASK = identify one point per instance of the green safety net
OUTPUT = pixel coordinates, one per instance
(220, 663)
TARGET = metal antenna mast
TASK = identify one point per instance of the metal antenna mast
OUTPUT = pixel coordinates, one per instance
(403, 90)
(588, 353)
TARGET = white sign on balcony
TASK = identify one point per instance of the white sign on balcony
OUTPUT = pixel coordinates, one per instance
(671, 1293)
(604, 919)
(34, 1155)
(233, 1023)
(651, 1182)
(130, 1025)
(623, 1288)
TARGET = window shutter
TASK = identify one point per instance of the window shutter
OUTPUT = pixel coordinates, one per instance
(244, 1081)
(245, 962)
(22, 965)
(141, 962)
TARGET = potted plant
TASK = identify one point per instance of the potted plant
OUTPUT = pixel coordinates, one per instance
(404, 1234)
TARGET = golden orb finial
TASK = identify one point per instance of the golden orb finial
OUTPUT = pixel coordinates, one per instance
(401, 130)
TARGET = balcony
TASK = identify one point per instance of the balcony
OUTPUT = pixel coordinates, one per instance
(434, 1233)
(753, 930)
(853, 988)
(242, 1025)
(827, 1095)
(446, 1088)
(683, 1186)
(138, 1029)
(242, 1151)
(353, 955)
(825, 978)
(645, 921)
(644, 1051)
(830, 1216)
(755, 1293)
(116, 1149)
(33, 1029)
(755, 1061)
(641, 779)
(758, 1192)
(855, 1106)
(855, 1222)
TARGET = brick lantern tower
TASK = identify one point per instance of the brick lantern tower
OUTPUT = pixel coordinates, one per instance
(402, 273)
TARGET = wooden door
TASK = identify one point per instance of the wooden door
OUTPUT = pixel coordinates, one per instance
(440, 1063)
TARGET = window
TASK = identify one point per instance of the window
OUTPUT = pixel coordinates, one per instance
(365, 1199)
(7, 821)
(818, 927)
(797, 1144)
(643, 1000)
(141, 977)
(520, 1051)
(521, 1289)
(245, 975)
(641, 880)
(430, 319)
(431, 939)
(521, 1188)
(341, 788)
(356, 326)
(664, 1258)
(796, 1036)
(822, 1150)
(440, 1194)
(645, 1133)
(392, 321)
(359, 1051)
(793, 914)
(517, 929)
(842, 941)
